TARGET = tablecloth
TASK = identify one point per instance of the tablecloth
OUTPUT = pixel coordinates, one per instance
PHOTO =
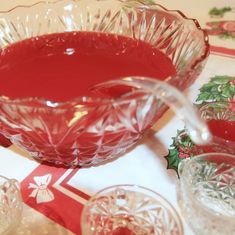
(54, 197)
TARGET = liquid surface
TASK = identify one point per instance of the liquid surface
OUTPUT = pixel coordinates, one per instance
(222, 129)
(63, 66)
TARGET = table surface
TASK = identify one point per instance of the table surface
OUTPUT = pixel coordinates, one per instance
(56, 208)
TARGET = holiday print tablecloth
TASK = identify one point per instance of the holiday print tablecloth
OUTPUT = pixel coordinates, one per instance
(54, 197)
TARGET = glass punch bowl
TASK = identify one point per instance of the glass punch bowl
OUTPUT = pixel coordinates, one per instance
(87, 131)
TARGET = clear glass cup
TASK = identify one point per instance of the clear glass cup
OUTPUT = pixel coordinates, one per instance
(207, 193)
(10, 205)
(220, 117)
(129, 210)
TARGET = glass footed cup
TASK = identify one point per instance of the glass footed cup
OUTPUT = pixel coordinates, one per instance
(207, 193)
(220, 118)
(10, 205)
(224, 111)
(129, 210)
(87, 131)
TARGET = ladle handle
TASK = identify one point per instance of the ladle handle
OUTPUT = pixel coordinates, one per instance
(196, 126)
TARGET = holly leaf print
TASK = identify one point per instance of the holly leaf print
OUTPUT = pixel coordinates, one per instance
(151, 1)
(173, 159)
(219, 12)
(220, 88)
(181, 148)
(227, 35)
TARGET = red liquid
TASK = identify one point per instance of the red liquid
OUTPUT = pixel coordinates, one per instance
(222, 129)
(223, 140)
(123, 231)
(66, 65)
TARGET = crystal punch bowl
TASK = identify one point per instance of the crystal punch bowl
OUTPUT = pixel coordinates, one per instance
(88, 130)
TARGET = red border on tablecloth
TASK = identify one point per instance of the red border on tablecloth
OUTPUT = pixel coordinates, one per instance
(67, 186)
(66, 210)
(223, 51)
